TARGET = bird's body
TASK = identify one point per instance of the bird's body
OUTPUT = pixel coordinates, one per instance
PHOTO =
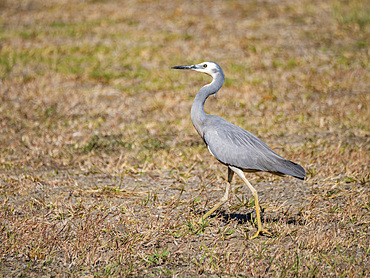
(233, 146)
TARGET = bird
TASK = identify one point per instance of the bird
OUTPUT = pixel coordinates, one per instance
(233, 146)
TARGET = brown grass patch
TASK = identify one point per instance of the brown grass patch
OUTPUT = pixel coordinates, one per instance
(102, 173)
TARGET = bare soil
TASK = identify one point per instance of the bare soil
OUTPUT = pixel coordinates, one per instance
(102, 173)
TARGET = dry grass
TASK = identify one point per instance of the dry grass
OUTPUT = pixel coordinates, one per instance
(102, 173)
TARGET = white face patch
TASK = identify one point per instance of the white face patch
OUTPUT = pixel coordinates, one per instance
(209, 68)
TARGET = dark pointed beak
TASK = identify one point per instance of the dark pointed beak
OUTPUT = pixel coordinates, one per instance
(184, 67)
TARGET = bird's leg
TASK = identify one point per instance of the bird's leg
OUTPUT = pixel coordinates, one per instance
(255, 196)
(230, 174)
(222, 201)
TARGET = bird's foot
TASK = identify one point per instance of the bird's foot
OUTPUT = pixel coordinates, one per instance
(201, 221)
(261, 231)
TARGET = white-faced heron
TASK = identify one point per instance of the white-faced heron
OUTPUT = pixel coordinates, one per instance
(233, 146)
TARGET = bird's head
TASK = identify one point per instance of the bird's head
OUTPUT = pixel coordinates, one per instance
(210, 68)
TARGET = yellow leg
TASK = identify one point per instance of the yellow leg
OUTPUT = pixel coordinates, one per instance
(240, 173)
(222, 201)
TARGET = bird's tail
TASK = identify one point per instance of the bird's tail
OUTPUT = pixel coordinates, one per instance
(293, 169)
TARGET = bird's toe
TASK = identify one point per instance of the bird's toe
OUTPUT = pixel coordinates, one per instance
(261, 231)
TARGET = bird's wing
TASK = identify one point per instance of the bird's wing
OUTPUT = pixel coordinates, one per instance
(235, 146)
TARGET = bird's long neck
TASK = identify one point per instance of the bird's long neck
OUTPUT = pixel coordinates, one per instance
(198, 116)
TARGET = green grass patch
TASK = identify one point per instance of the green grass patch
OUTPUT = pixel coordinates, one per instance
(352, 12)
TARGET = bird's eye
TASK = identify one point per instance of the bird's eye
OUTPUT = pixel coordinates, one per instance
(205, 65)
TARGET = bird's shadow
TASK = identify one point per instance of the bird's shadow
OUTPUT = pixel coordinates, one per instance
(243, 218)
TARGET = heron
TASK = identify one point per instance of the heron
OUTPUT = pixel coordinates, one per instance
(233, 146)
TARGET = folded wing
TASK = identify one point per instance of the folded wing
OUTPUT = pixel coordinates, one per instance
(237, 147)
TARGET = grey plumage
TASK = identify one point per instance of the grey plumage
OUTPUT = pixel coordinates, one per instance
(233, 146)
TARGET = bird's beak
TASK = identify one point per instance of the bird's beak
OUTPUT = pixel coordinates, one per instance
(192, 67)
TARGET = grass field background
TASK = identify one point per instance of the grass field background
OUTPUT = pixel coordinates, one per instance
(102, 172)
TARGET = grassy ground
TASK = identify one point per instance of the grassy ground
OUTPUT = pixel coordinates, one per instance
(102, 173)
